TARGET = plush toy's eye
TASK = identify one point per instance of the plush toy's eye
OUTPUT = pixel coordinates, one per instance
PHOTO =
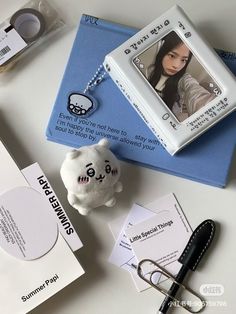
(91, 172)
(108, 168)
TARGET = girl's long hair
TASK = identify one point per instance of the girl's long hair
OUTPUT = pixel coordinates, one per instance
(170, 91)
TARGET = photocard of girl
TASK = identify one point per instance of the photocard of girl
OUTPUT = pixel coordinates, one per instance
(176, 75)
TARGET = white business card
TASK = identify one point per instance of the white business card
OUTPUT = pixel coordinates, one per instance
(161, 238)
(122, 254)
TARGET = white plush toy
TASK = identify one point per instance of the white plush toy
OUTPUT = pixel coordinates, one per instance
(90, 175)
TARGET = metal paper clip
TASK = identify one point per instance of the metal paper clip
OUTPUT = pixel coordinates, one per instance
(162, 271)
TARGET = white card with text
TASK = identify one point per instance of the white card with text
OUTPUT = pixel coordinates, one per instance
(38, 181)
(161, 238)
(122, 254)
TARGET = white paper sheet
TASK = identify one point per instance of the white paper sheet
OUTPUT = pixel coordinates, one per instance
(26, 284)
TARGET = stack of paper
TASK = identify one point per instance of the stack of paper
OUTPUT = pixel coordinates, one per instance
(158, 231)
(35, 258)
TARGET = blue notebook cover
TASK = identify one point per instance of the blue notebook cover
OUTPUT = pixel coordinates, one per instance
(206, 160)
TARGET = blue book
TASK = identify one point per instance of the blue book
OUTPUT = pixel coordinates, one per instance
(206, 160)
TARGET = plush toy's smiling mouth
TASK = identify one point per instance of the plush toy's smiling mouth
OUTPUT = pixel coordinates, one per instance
(100, 178)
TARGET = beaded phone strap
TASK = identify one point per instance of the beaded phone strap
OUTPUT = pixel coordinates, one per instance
(83, 104)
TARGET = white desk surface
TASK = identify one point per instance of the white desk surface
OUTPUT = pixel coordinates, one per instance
(26, 101)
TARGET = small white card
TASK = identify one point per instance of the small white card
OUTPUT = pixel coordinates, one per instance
(122, 255)
(161, 238)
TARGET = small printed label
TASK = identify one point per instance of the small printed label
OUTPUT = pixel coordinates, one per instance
(10, 43)
(27, 228)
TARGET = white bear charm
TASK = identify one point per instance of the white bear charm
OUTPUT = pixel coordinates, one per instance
(90, 175)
